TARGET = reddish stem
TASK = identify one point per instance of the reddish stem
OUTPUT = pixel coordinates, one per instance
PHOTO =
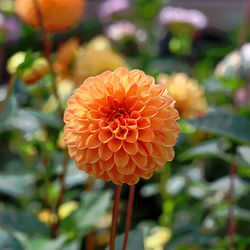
(129, 215)
(54, 227)
(230, 222)
(115, 213)
(46, 42)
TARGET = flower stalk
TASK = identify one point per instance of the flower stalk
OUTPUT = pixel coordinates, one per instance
(9, 91)
(115, 213)
(55, 225)
(129, 215)
(230, 220)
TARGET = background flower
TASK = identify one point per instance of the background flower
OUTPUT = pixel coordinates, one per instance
(58, 15)
(110, 7)
(187, 93)
(170, 15)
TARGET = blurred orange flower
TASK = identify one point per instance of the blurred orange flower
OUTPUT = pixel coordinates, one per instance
(188, 94)
(96, 57)
(120, 126)
(65, 56)
(58, 15)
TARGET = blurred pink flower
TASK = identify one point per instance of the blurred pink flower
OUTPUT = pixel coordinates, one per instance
(110, 7)
(124, 29)
(169, 15)
(9, 28)
(241, 96)
(119, 30)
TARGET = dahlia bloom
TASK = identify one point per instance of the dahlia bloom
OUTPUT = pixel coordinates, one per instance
(110, 7)
(170, 15)
(188, 94)
(121, 126)
(96, 57)
(65, 56)
(58, 15)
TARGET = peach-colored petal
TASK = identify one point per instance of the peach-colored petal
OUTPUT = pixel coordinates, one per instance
(130, 148)
(104, 152)
(105, 135)
(93, 141)
(121, 158)
(114, 144)
(146, 135)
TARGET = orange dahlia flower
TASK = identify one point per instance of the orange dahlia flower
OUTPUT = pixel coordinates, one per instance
(65, 56)
(121, 126)
(188, 94)
(58, 15)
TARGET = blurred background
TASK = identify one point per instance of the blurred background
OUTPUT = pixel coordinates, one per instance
(198, 201)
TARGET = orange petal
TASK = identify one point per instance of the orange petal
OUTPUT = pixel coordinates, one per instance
(107, 165)
(92, 155)
(128, 169)
(81, 140)
(114, 175)
(72, 152)
(149, 111)
(95, 116)
(96, 170)
(146, 135)
(140, 160)
(147, 175)
(121, 133)
(145, 148)
(171, 139)
(132, 135)
(93, 141)
(156, 123)
(132, 91)
(114, 144)
(80, 156)
(136, 75)
(170, 125)
(131, 179)
(168, 113)
(105, 135)
(143, 123)
(121, 158)
(157, 151)
(160, 137)
(104, 152)
(130, 148)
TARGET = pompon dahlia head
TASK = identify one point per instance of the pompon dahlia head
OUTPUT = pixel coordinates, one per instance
(188, 94)
(58, 15)
(121, 126)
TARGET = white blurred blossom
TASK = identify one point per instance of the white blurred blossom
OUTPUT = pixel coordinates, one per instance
(169, 15)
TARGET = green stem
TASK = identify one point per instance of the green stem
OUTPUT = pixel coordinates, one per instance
(9, 91)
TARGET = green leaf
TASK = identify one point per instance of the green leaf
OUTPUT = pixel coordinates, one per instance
(135, 241)
(243, 155)
(230, 125)
(75, 176)
(17, 185)
(8, 242)
(213, 148)
(94, 204)
(23, 222)
(44, 243)
(9, 109)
